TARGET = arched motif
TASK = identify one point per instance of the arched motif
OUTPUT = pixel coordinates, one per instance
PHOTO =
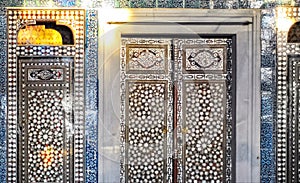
(294, 33)
(45, 33)
(39, 35)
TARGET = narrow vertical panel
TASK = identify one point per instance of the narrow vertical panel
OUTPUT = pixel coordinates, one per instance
(91, 98)
(287, 84)
(3, 94)
(205, 109)
(146, 110)
(146, 123)
(293, 119)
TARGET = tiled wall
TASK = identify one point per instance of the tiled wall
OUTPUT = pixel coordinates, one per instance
(268, 70)
(268, 96)
(3, 57)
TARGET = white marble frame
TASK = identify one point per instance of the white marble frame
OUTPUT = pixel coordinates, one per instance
(244, 24)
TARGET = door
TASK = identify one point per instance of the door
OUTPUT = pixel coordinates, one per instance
(180, 95)
(176, 109)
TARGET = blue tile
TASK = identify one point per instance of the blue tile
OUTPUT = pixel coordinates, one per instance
(65, 3)
(268, 179)
(268, 59)
(244, 4)
(268, 79)
(3, 57)
(267, 101)
(3, 138)
(3, 103)
(267, 163)
(142, 3)
(2, 25)
(91, 102)
(268, 119)
(193, 4)
(8, 3)
(219, 4)
(268, 46)
(170, 4)
(266, 136)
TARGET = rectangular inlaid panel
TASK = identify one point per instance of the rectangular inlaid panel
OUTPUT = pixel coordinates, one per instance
(146, 110)
(146, 59)
(45, 123)
(203, 130)
(204, 88)
(204, 58)
(45, 119)
(146, 123)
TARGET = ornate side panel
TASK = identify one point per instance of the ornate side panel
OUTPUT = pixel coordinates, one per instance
(46, 96)
(146, 110)
(45, 119)
(91, 99)
(204, 102)
(293, 120)
(287, 94)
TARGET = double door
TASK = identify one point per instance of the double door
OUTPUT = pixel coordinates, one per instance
(180, 96)
(176, 114)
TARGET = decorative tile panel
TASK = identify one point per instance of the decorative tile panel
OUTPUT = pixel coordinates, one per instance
(204, 117)
(91, 99)
(49, 89)
(268, 94)
(146, 111)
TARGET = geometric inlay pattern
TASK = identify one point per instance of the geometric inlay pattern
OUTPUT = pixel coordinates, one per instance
(45, 74)
(45, 133)
(197, 57)
(147, 58)
(204, 125)
(146, 110)
(45, 120)
(196, 105)
(45, 100)
(146, 135)
(288, 50)
(293, 119)
(204, 110)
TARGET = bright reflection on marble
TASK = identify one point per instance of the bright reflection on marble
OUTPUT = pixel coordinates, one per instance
(284, 22)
